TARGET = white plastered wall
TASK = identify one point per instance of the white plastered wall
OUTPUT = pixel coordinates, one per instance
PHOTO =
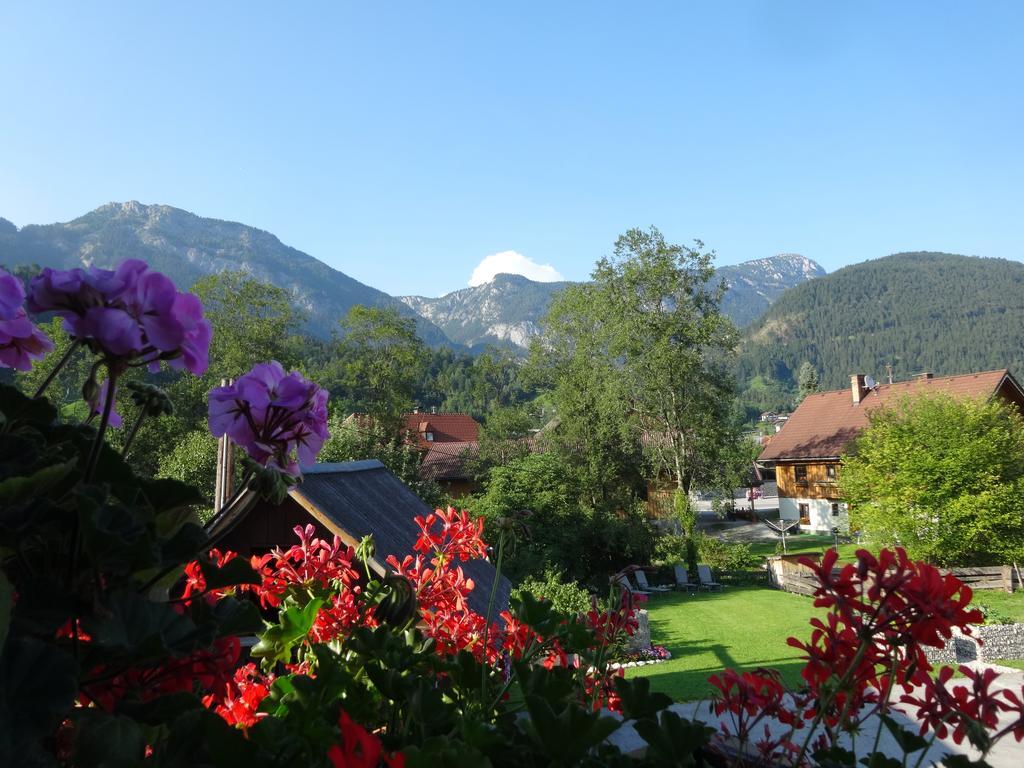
(820, 513)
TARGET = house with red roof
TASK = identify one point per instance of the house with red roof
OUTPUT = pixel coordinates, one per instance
(448, 442)
(807, 451)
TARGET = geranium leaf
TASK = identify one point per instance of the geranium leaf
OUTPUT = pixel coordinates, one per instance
(234, 572)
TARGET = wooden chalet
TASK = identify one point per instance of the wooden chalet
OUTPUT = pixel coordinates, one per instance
(806, 453)
(351, 500)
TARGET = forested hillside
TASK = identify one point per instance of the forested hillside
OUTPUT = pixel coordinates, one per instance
(935, 312)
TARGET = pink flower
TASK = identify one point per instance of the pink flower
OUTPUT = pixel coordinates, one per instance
(130, 313)
(21, 341)
(279, 419)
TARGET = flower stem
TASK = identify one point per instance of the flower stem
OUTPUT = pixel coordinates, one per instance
(97, 445)
(490, 612)
(134, 430)
(58, 367)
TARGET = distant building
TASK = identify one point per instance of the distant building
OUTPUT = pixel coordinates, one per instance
(425, 429)
(806, 454)
(448, 441)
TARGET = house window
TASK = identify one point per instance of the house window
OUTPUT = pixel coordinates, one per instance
(805, 513)
(428, 436)
(800, 474)
(835, 510)
(830, 473)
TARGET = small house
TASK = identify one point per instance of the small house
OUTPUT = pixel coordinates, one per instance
(351, 500)
(806, 454)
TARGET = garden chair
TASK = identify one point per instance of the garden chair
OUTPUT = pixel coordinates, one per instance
(683, 579)
(641, 580)
(707, 581)
(623, 581)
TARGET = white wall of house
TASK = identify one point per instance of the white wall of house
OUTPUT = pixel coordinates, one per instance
(819, 511)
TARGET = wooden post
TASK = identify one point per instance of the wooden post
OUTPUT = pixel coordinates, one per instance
(224, 481)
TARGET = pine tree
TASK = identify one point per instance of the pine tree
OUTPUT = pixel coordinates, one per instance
(807, 380)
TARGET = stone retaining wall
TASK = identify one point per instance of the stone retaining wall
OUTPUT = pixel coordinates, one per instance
(998, 641)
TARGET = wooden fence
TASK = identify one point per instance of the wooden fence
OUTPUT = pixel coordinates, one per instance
(786, 574)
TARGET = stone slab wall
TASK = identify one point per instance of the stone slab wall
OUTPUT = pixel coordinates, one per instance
(641, 639)
(998, 641)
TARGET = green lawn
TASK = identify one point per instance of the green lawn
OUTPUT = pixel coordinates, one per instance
(739, 627)
(1012, 663)
(1001, 604)
(811, 543)
(745, 628)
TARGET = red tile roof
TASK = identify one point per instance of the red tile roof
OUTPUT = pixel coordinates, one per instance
(445, 428)
(825, 422)
(447, 461)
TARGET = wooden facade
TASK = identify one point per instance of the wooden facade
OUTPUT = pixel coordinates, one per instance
(816, 479)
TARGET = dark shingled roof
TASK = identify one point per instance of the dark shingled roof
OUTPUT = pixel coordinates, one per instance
(359, 498)
(826, 422)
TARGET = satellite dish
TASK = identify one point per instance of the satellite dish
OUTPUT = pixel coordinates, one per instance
(869, 382)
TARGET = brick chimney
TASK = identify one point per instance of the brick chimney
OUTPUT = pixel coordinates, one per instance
(857, 387)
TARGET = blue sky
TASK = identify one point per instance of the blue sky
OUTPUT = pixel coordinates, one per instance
(405, 142)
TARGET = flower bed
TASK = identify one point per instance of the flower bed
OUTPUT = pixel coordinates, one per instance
(653, 655)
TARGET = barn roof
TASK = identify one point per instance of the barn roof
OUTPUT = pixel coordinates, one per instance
(355, 499)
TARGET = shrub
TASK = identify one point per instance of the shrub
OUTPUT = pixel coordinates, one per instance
(725, 555)
(566, 596)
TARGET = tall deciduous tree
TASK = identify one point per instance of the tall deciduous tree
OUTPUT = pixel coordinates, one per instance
(252, 322)
(942, 477)
(641, 355)
(379, 363)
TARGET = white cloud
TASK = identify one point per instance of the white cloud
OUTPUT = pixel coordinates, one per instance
(512, 263)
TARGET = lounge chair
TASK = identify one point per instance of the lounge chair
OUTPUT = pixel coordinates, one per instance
(707, 581)
(623, 581)
(683, 579)
(641, 580)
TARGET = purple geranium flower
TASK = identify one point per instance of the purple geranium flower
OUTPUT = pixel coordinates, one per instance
(12, 295)
(279, 418)
(128, 314)
(20, 341)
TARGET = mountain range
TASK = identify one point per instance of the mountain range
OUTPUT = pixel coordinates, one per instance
(509, 309)
(506, 311)
(186, 247)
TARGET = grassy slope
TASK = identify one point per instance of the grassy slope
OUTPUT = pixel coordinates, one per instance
(740, 627)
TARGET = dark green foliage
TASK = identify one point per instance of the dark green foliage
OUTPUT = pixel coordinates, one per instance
(87, 553)
(555, 527)
(377, 361)
(918, 311)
